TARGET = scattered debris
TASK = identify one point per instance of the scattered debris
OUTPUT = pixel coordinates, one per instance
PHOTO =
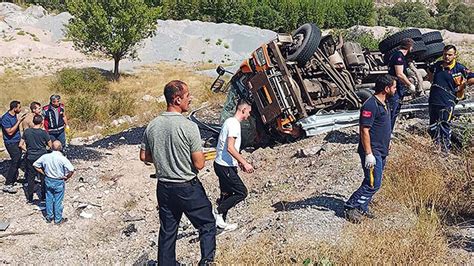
(128, 218)
(309, 152)
(20, 233)
(86, 215)
(4, 225)
(129, 230)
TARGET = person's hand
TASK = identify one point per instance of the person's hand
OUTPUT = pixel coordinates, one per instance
(248, 168)
(369, 161)
(412, 87)
(22, 117)
(67, 129)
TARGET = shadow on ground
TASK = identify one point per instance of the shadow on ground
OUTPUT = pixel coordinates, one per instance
(342, 137)
(323, 202)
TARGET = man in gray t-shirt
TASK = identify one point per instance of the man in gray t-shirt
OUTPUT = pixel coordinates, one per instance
(173, 144)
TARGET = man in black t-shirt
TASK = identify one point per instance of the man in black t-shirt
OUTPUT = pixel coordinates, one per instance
(375, 130)
(35, 142)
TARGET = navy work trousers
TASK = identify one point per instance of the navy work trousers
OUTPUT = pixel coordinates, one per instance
(189, 198)
(372, 182)
(440, 125)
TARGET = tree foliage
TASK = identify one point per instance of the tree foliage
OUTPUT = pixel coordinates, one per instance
(110, 27)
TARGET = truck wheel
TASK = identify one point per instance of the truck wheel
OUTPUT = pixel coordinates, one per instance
(393, 40)
(418, 48)
(364, 94)
(433, 51)
(308, 36)
(432, 37)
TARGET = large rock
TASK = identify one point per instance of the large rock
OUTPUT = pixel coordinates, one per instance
(36, 11)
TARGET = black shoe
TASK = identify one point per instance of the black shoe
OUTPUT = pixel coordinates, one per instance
(48, 220)
(354, 215)
(63, 220)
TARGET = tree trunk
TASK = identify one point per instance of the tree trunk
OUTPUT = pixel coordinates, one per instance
(116, 67)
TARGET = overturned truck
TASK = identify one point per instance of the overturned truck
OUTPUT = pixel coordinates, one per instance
(301, 74)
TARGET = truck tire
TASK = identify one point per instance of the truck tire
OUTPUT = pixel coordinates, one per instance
(432, 37)
(419, 47)
(305, 50)
(393, 40)
(364, 94)
(433, 51)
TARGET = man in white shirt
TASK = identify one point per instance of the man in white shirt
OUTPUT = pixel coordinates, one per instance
(227, 159)
(57, 169)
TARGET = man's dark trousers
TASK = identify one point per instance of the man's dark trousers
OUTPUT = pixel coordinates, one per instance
(232, 188)
(440, 125)
(15, 155)
(31, 173)
(395, 103)
(189, 198)
(372, 182)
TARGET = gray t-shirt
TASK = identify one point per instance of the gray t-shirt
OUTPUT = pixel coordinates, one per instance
(171, 138)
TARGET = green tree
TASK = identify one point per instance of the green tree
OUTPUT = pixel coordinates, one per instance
(111, 27)
(412, 14)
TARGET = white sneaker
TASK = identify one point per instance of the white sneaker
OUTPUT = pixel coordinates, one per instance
(220, 220)
(230, 227)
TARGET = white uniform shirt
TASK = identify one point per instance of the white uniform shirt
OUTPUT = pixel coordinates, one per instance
(230, 128)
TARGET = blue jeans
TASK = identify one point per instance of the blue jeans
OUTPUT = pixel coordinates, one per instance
(61, 136)
(54, 198)
(372, 182)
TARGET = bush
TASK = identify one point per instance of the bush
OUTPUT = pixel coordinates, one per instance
(80, 81)
(120, 103)
(82, 109)
(412, 14)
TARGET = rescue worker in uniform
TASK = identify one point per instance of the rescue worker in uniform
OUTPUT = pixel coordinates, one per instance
(55, 120)
(449, 80)
(375, 130)
(397, 67)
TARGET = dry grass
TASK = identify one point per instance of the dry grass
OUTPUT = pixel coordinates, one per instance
(422, 193)
(150, 80)
(422, 180)
(26, 90)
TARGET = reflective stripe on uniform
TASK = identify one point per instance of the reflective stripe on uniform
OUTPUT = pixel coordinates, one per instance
(372, 176)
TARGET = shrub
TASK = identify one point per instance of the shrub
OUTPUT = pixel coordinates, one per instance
(82, 109)
(120, 103)
(87, 80)
(412, 14)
